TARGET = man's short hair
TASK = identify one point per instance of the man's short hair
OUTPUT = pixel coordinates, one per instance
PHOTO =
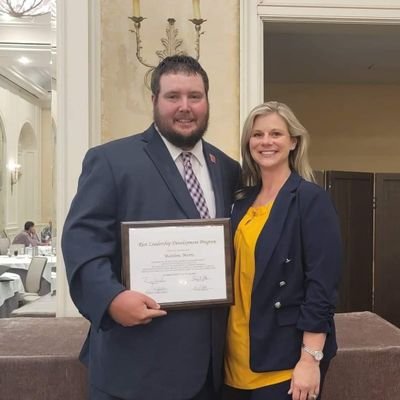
(174, 65)
(28, 225)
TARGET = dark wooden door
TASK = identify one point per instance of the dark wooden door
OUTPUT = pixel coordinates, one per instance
(352, 194)
(319, 178)
(387, 247)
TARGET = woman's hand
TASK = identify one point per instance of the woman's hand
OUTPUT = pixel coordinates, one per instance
(305, 380)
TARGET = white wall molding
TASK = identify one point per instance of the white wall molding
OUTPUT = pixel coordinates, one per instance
(20, 30)
(12, 76)
(14, 88)
(333, 14)
(352, 4)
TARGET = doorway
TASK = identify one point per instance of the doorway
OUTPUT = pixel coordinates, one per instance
(343, 83)
(351, 112)
(255, 13)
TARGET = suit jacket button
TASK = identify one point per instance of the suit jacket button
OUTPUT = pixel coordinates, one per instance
(282, 283)
(277, 304)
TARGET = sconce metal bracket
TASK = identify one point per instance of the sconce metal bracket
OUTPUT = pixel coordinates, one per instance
(171, 43)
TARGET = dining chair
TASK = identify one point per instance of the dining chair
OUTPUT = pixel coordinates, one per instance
(4, 245)
(33, 279)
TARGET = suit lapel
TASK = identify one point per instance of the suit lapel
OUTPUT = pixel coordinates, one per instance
(241, 206)
(272, 230)
(214, 168)
(166, 166)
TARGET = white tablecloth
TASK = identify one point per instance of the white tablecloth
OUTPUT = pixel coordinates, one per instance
(10, 287)
(44, 250)
(38, 251)
(23, 261)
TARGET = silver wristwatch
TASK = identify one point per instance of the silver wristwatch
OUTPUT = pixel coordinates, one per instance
(317, 354)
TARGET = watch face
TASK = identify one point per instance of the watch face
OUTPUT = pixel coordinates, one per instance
(317, 354)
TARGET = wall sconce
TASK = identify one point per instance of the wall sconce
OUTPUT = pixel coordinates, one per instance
(172, 42)
(15, 173)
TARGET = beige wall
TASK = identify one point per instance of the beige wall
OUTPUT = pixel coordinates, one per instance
(126, 105)
(352, 127)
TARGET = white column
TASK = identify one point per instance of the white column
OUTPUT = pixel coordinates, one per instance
(78, 114)
(251, 58)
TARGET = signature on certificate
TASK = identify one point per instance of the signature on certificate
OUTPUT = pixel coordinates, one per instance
(200, 288)
(199, 278)
(155, 280)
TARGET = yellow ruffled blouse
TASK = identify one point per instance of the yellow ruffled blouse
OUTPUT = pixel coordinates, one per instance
(237, 355)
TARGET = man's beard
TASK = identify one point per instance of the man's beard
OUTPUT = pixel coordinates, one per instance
(178, 139)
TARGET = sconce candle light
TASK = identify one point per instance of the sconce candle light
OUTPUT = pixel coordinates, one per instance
(136, 8)
(172, 43)
(196, 9)
(15, 173)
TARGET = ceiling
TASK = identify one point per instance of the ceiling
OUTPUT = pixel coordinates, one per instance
(332, 53)
(34, 39)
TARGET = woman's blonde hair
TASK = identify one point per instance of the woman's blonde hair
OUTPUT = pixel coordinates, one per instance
(298, 158)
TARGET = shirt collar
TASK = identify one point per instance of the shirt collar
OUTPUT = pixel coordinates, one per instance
(175, 151)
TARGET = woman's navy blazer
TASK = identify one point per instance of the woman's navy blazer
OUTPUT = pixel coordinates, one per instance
(298, 257)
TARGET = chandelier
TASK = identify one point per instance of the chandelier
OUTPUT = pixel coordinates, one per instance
(25, 8)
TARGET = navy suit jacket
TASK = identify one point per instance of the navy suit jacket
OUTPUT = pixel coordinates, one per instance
(135, 179)
(297, 266)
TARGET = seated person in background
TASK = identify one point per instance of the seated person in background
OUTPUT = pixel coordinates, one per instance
(46, 233)
(28, 236)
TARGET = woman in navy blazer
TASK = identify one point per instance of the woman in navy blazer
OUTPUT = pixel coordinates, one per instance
(281, 332)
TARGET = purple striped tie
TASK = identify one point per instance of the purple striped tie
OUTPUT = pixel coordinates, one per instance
(193, 185)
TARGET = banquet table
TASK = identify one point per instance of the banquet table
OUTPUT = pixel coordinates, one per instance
(20, 264)
(10, 288)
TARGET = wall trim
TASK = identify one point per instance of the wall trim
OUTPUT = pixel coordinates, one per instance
(251, 58)
(353, 4)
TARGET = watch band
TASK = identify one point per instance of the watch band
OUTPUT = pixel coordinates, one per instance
(317, 354)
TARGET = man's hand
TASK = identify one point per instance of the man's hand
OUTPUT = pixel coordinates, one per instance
(131, 308)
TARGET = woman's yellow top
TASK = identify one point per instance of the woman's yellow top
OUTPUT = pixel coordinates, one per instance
(237, 356)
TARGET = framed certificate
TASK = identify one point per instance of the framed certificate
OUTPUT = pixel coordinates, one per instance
(179, 263)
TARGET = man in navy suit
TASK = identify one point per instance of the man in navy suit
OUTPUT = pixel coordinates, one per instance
(135, 350)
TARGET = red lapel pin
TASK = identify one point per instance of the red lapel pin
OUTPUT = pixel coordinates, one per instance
(212, 158)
